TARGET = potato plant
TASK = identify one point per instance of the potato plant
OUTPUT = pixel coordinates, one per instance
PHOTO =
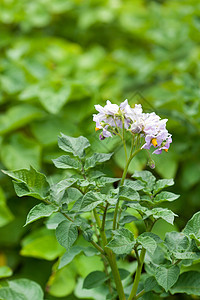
(100, 209)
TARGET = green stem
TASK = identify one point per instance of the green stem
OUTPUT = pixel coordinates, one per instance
(104, 217)
(123, 140)
(105, 263)
(122, 182)
(124, 144)
(137, 275)
(140, 294)
(111, 259)
(102, 233)
(116, 275)
(97, 247)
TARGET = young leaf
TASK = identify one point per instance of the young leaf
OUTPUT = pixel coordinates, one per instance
(161, 184)
(66, 234)
(95, 159)
(165, 196)
(76, 146)
(29, 183)
(167, 277)
(94, 279)
(66, 162)
(147, 242)
(189, 283)
(88, 202)
(128, 194)
(123, 241)
(39, 211)
(21, 289)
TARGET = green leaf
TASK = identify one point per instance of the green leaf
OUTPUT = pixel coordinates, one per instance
(123, 273)
(94, 279)
(54, 220)
(18, 116)
(21, 289)
(136, 185)
(154, 236)
(161, 184)
(28, 288)
(127, 218)
(151, 284)
(5, 271)
(95, 159)
(128, 194)
(188, 283)
(88, 202)
(62, 282)
(138, 207)
(41, 244)
(167, 277)
(97, 293)
(86, 264)
(193, 226)
(123, 241)
(145, 176)
(18, 151)
(29, 183)
(66, 162)
(165, 196)
(7, 293)
(166, 167)
(66, 234)
(53, 99)
(162, 213)
(177, 242)
(64, 184)
(76, 146)
(68, 256)
(39, 211)
(147, 242)
(106, 180)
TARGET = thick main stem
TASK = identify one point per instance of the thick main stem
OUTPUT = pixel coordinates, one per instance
(111, 259)
(137, 275)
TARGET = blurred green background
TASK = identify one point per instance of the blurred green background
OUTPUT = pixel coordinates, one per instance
(60, 57)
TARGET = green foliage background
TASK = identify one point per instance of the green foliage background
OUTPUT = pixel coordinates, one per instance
(58, 59)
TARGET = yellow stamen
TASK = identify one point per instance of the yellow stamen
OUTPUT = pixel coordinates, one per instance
(96, 128)
(166, 150)
(154, 142)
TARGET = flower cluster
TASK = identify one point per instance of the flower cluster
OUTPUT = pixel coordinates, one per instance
(111, 117)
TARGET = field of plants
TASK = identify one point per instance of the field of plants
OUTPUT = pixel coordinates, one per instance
(59, 58)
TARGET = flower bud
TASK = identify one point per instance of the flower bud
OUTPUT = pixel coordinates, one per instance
(151, 163)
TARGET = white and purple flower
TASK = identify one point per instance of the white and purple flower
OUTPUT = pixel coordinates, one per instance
(111, 117)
